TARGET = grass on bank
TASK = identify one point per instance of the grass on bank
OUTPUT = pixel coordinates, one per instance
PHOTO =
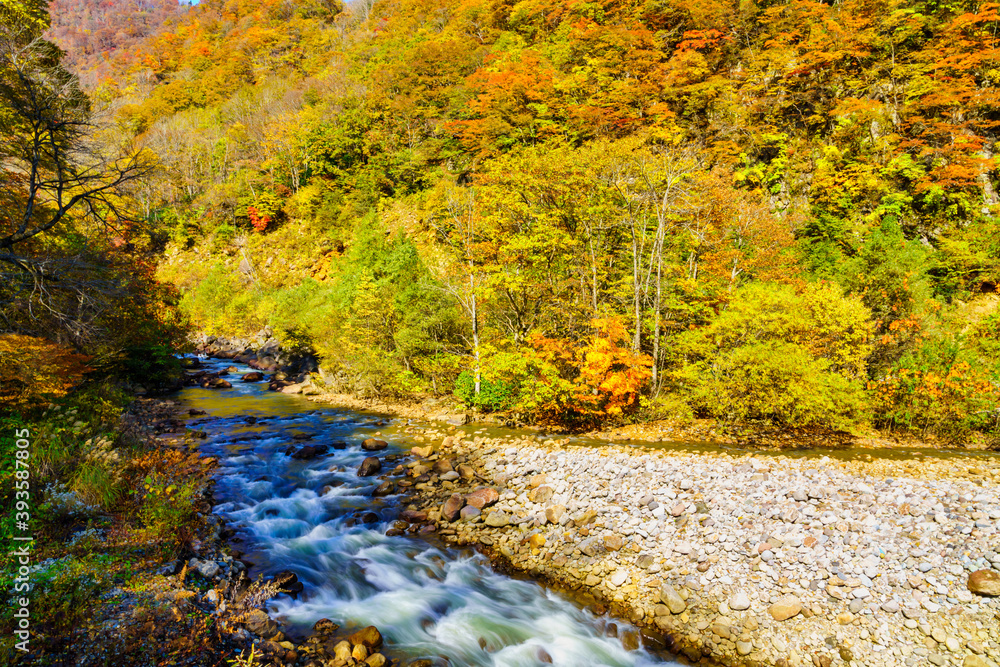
(107, 508)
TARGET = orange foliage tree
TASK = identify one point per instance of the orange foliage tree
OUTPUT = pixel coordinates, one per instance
(34, 369)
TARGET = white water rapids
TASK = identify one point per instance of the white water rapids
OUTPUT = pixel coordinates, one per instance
(430, 602)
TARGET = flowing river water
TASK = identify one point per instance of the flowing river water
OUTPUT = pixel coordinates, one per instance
(443, 604)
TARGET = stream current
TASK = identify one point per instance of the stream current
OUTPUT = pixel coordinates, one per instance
(429, 601)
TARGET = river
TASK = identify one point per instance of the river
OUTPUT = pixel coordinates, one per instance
(318, 519)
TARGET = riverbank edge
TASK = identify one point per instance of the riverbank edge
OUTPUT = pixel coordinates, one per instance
(299, 371)
(677, 641)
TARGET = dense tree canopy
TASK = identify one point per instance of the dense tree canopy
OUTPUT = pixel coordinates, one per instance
(492, 191)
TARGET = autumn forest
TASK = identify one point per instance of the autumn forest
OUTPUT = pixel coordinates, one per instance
(561, 212)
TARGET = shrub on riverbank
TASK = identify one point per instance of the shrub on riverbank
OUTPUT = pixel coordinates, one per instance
(780, 356)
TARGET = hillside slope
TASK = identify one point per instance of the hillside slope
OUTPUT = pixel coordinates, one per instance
(577, 212)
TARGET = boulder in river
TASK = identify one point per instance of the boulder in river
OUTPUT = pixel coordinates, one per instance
(310, 452)
(985, 582)
(374, 445)
(325, 626)
(370, 466)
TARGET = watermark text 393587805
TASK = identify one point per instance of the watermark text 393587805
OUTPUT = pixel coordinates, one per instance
(22, 538)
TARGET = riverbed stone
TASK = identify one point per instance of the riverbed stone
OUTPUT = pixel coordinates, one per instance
(413, 516)
(386, 488)
(369, 637)
(468, 513)
(259, 623)
(374, 445)
(370, 466)
(342, 651)
(324, 627)
(739, 601)
(613, 542)
(541, 495)
(206, 568)
(619, 577)
(310, 452)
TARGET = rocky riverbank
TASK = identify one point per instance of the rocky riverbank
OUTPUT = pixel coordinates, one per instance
(747, 559)
(261, 351)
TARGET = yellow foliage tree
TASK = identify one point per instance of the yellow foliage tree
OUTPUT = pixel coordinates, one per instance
(33, 369)
(27, 14)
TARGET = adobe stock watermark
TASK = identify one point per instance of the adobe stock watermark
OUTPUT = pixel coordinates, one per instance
(22, 538)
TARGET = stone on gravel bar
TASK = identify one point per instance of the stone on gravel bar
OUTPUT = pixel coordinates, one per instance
(482, 498)
(785, 608)
(497, 519)
(985, 582)
(670, 597)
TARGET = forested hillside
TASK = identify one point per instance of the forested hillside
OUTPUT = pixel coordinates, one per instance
(580, 211)
(92, 31)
